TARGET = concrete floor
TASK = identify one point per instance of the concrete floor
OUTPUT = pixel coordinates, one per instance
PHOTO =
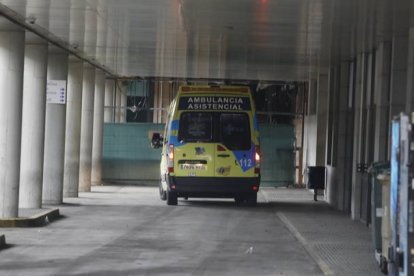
(124, 230)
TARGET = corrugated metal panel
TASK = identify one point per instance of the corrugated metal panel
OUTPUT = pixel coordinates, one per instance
(127, 154)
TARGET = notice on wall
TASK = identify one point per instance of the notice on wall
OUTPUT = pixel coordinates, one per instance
(56, 92)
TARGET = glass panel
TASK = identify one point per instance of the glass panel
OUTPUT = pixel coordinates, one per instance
(195, 126)
(235, 131)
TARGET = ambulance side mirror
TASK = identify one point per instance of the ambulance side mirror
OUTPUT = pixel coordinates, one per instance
(156, 141)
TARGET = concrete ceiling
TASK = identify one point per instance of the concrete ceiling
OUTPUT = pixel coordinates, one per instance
(231, 39)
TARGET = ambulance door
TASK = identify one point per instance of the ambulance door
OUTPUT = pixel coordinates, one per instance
(235, 152)
(195, 151)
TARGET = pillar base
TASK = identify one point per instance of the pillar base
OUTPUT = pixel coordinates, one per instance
(40, 217)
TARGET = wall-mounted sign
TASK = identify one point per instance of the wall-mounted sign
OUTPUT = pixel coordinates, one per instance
(56, 92)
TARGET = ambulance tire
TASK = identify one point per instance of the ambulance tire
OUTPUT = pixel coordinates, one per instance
(251, 200)
(383, 265)
(239, 199)
(163, 194)
(171, 198)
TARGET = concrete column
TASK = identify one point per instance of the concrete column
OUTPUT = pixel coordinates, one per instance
(55, 135)
(343, 179)
(73, 128)
(382, 92)
(33, 126)
(358, 136)
(88, 95)
(123, 103)
(118, 99)
(109, 101)
(410, 73)
(309, 151)
(111, 44)
(369, 116)
(398, 75)
(11, 87)
(98, 123)
(322, 117)
(157, 91)
(332, 136)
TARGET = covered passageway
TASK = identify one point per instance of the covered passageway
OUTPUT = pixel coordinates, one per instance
(84, 84)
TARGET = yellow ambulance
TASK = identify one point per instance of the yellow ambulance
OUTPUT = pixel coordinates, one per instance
(210, 146)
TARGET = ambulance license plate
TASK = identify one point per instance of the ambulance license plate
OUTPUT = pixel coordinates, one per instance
(193, 167)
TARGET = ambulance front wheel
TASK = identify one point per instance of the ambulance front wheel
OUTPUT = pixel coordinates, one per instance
(171, 198)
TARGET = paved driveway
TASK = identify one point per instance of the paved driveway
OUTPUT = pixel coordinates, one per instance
(127, 230)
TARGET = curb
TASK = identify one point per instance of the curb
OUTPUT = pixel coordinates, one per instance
(40, 219)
